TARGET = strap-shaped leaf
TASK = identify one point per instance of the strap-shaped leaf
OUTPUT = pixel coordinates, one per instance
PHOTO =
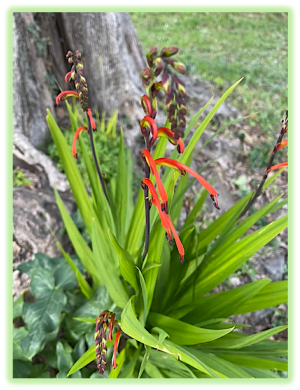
(220, 267)
(127, 265)
(72, 173)
(183, 333)
(107, 269)
(271, 295)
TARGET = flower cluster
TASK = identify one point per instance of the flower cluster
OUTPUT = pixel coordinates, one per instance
(77, 75)
(105, 322)
(279, 145)
(170, 84)
(176, 111)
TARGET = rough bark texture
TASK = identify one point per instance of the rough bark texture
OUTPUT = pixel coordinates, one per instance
(31, 93)
(112, 58)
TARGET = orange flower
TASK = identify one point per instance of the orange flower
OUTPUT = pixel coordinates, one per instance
(277, 166)
(93, 124)
(168, 162)
(161, 189)
(115, 348)
(281, 145)
(65, 94)
(76, 135)
(167, 133)
(165, 219)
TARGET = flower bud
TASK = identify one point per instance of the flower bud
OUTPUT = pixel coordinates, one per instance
(178, 66)
(155, 88)
(165, 82)
(146, 75)
(150, 55)
(169, 51)
(158, 64)
(146, 104)
(180, 87)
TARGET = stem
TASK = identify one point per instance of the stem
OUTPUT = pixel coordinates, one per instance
(90, 131)
(259, 189)
(147, 203)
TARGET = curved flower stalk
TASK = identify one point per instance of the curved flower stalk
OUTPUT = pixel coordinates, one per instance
(168, 162)
(279, 145)
(105, 322)
(77, 75)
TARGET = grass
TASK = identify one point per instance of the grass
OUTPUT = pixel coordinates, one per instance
(223, 47)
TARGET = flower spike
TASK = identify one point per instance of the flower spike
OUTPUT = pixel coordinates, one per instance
(65, 94)
(168, 162)
(161, 189)
(78, 131)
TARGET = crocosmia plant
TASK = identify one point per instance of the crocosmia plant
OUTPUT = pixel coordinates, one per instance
(161, 317)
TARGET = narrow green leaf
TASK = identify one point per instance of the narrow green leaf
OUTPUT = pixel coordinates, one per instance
(253, 361)
(120, 361)
(271, 295)
(107, 271)
(83, 284)
(86, 358)
(145, 360)
(183, 333)
(220, 267)
(147, 266)
(121, 192)
(72, 172)
(165, 361)
(220, 304)
(81, 248)
(127, 266)
(144, 294)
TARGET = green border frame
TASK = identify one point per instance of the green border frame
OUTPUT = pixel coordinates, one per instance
(9, 200)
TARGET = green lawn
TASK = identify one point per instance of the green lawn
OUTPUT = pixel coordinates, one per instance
(223, 47)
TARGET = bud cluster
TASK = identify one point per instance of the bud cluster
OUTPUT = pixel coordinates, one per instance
(170, 84)
(77, 75)
(105, 321)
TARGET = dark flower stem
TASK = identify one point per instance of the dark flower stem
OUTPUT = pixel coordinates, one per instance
(147, 203)
(90, 131)
(259, 189)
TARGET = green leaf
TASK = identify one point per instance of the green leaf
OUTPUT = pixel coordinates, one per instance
(222, 304)
(107, 270)
(152, 371)
(83, 284)
(137, 227)
(18, 335)
(271, 295)
(147, 266)
(64, 360)
(99, 301)
(18, 307)
(165, 361)
(81, 248)
(86, 358)
(255, 362)
(224, 368)
(42, 317)
(121, 192)
(129, 367)
(72, 172)
(144, 294)
(120, 361)
(21, 369)
(145, 360)
(249, 340)
(182, 333)
(127, 265)
(157, 239)
(220, 267)
(162, 335)
(89, 320)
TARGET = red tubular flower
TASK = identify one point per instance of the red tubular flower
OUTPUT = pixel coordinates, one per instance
(277, 166)
(151, 125)
(111, 326)
(165, 132)
(281, 145)
(68, 77)
(115, 348)
(78, 131)
(146, 104)
(168, 162)
(161, 189)
(65, 94)
(93, 124)
(165, 219)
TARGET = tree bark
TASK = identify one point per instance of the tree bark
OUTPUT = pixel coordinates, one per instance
(112, 57)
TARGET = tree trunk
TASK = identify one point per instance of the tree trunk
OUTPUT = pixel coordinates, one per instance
(112, 57)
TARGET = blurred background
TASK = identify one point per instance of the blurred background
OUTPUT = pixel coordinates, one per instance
(217, 49)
